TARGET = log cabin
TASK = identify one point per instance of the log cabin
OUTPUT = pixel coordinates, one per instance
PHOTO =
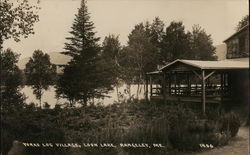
(205, 82)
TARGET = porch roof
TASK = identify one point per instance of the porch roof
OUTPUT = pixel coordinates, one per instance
(227, 64)
(154, 72)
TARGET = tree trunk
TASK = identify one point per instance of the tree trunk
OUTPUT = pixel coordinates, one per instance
(40, 101)
(71, 103)
(117, 93)
(1, 43)
(137, 92)
(40, 98)
(129, 90)
(85, 100)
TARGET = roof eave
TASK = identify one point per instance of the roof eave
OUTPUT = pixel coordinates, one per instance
(246, 26)
(224, 68)
(182, 61)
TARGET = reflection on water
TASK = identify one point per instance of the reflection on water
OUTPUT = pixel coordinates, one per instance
(49, 95)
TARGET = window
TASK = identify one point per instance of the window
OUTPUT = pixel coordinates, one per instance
(242, 44)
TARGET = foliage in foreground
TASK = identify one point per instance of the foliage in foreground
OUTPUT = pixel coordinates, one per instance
(30, 124)
(174, 126)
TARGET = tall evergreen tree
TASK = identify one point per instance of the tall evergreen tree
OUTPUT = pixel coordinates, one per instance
(201, 45)
(175, 43)
(83, 45)
(156, 30)
(178, 44)
(84, 76)
(156, 33)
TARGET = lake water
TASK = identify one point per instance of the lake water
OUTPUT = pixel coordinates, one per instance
(49, 95)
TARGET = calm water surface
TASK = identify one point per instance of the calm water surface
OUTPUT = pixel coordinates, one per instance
(49, 95)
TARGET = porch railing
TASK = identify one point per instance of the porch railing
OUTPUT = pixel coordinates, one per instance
(194, 90)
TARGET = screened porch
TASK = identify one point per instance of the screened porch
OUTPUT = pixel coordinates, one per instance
(197, 81)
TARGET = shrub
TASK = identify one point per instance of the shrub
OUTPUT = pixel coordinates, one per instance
(31, 127)
(230, 122)
(168, 125)
(175, 126)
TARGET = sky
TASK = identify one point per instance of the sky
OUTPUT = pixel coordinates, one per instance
(218, 17)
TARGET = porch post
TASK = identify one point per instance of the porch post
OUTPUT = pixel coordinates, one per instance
(225, 84)
(146, 93)
(179, 85)
(151, 90)
(189, 85)
(221, 87)
(169, 83)
(175, 81)
(164, 85)
(203, 93)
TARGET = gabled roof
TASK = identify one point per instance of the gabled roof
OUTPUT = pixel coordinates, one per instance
(241, 63)
(236, 33)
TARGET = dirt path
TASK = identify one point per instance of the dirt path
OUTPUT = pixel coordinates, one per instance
(237, 146)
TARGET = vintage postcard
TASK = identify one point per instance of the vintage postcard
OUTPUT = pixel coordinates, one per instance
(124, 77)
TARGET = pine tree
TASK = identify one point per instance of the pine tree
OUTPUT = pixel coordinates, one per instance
(156, 30)
(83, 43)
(194, 45)
(201, 45)
(84, 76)
(175, 43)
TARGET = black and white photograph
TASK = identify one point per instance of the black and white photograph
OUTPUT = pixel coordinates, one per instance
(124, 77)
